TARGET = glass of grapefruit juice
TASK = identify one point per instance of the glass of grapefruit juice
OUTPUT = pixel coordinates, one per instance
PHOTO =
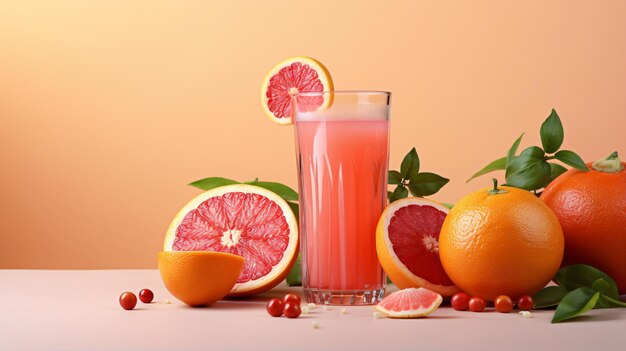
(342, 151)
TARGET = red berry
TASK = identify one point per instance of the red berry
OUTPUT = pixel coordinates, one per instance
(292, 310)
(525, 303)
(460, 301)
(146, 295)
(503, 304)
(128, 300)
(477, 304)
(292, 298)
(275, 307)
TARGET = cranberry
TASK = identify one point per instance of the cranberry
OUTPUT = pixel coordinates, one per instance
(146, 295)
(477, 304)
(503, 304)
(275, 307)
(460, 301)
(128, 300)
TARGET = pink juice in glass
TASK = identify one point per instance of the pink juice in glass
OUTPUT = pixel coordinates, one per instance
(342, 166)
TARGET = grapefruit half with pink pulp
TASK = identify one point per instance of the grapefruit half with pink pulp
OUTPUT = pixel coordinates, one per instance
(243, 220)
(407, 243)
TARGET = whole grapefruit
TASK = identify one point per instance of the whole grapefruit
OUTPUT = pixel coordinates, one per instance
(591, 207)
(501, 241)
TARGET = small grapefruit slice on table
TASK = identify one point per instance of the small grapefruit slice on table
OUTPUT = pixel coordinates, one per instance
(409, 303)
(244, 220)
(407, 244)
(294, 75)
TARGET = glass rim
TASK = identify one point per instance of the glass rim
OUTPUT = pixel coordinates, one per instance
(346, 92)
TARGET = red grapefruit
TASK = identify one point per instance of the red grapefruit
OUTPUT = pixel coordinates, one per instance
(244, 220)
(407, 243)
(294, 75)
(409, 303)
(591, 207)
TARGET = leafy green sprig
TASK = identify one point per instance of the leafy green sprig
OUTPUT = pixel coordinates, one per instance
(581, 288)
(530, 169)
(410, 179)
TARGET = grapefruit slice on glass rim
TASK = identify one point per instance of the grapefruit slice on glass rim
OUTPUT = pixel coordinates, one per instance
(244, 220)
(409, 303)
(295, 75)
(407, 243)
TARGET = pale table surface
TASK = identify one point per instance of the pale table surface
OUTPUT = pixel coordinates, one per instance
(79, 310)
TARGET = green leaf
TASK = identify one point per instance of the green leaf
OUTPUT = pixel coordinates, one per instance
(510, 155)
(493, 166)
(295, 208)
(394, 177)
(448, 205)
(607, 294)
(294, 278)
(399, 193)
(602, 286)
(410, 164)
(582, 275)
(531, 152)
(572, 159)
(529, 170)
(552, 133)
(280, 189)
(556, 170)
(213, 182)
(425, 184)
(575, 303)
(549, 296)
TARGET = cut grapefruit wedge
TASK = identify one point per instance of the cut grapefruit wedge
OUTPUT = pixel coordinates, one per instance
(295, 75)
(409, 303)
(244, 220)
(407, 243)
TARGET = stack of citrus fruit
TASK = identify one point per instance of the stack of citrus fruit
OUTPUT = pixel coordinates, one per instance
(242, 220)
(496, 241)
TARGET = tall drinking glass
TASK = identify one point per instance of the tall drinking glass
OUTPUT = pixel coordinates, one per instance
(342, 149)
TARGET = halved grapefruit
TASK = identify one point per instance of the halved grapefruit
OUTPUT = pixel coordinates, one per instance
(294, 75)
(244, 220)
(409, 303)
(407, 243)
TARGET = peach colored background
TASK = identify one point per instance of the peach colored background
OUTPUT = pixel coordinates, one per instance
(109, 108)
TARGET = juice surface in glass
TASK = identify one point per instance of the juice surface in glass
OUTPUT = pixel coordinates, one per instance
(342, 166)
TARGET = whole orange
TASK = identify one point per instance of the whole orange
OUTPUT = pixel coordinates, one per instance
(501, 241)
(591, 207)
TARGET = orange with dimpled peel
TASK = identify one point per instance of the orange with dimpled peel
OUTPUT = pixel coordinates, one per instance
(501, 241)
